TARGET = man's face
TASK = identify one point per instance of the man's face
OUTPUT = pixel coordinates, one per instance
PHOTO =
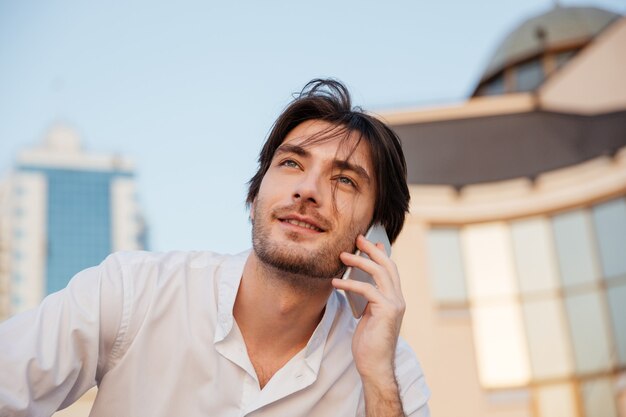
(313, 202)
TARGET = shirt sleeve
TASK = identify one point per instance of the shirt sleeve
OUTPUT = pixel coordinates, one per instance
(53, 354)
(411, 382)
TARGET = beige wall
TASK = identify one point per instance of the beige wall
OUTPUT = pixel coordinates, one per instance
(80, 408)
(443, 338)
(594, 81)
(442, 342)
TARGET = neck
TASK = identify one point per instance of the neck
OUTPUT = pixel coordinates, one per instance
(278, 307)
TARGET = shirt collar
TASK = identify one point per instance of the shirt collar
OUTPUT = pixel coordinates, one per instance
(314, 350)
(229, 278)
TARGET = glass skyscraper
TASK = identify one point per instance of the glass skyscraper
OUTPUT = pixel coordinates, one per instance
(65, 210)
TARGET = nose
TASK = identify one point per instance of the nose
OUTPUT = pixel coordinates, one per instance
(309, 189)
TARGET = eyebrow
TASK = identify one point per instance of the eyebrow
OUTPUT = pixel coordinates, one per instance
(340, 164)
(288, 148)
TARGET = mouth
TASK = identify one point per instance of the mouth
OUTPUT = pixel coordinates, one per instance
(304, 223)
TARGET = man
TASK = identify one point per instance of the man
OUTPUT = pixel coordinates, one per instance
(263, 333)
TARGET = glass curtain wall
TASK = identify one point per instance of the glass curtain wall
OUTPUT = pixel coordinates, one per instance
(547, 298)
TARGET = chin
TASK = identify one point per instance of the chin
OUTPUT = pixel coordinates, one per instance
(322, 263)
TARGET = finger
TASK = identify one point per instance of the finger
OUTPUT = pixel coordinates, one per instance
(394, 273)
(394, 307)
(378, 272)
(378, 254)
(392, 270)
(375, 250)
(367, 290)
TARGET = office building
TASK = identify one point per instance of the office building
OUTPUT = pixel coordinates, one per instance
(62, 209)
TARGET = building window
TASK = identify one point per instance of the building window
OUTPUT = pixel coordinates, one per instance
(529, 75)
(79, 223)
(447, 267)
(547, 298)
(493, 87)
(563, 58)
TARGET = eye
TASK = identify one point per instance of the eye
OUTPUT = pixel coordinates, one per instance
(289, 163)
(346, 180)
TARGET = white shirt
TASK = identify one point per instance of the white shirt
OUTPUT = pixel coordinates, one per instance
(156, 333)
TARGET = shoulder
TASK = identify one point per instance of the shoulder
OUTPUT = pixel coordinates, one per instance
(411, 382)
(138, 279)
(166, 260)
(139, 286)
(139, 265)
(407, 364)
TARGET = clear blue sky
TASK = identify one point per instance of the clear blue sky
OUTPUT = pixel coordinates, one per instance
(189, 89)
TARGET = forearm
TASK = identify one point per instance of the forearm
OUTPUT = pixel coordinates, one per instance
(382, 397)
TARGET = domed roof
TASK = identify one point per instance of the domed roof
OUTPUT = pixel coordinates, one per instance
(558, 27)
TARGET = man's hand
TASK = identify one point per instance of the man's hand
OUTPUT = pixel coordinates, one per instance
(376, 336)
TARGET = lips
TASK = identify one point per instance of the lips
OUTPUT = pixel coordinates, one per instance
(311, 221)
(302, 224)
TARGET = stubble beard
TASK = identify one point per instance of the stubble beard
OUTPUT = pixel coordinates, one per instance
(300, 266)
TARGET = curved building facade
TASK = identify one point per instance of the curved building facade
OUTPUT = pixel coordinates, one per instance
(513, 258)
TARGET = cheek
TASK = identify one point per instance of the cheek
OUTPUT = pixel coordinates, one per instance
(268, 185)
(356, 215)
(345, 208)
(358, 205)
(264, 199)
(363, 210)
(264, 192)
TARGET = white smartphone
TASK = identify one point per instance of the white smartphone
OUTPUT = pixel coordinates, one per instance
(375, 234)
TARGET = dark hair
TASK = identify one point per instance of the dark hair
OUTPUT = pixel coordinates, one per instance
(329, 100)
